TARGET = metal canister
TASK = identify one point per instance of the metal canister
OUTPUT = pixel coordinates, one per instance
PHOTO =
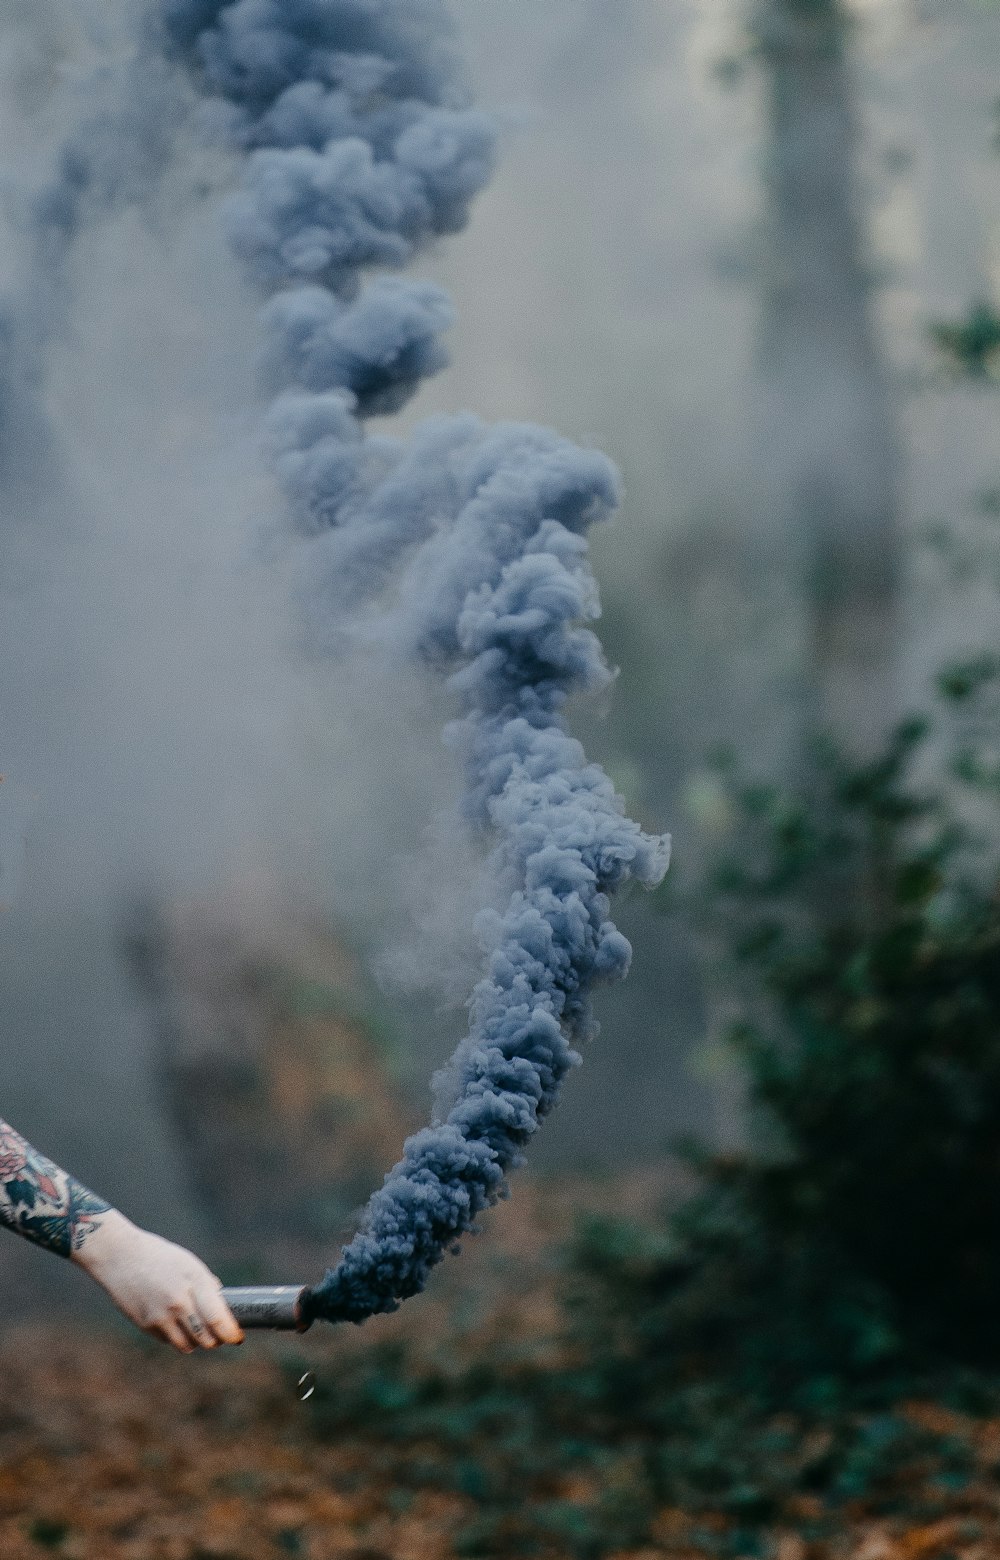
(278, 1306)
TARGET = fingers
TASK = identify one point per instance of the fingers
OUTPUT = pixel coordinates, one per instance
(220, 1324)
(169, 1330)
(207, 1319)
(198, 1331)
(200, 1321)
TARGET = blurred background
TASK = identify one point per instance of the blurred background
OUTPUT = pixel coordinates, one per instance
(721, 250)
(751, 249)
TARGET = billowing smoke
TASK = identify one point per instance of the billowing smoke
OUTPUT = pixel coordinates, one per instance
(464, 546)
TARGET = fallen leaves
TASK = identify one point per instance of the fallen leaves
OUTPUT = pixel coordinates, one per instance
(112, 1451)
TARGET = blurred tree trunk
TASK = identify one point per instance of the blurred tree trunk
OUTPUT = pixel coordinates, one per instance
(274, 1071)
(831, 438)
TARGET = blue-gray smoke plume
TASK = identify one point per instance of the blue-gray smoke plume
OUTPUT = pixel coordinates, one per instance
(466, 543)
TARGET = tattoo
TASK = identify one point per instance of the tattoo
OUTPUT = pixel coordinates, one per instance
(40, 1201)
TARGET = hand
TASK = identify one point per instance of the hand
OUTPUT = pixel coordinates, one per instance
(166, 1291)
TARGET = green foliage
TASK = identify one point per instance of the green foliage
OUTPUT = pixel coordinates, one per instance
(861, 915)
(48, 1533)
(527, 1444)
(582, 1456)
(971, 346)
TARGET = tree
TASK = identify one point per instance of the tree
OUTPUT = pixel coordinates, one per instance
(830, 433)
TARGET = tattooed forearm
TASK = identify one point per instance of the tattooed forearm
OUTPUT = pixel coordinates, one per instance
(40, 1201)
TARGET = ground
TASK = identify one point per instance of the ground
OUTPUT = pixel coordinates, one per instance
(110, 1451)
(113, 1448)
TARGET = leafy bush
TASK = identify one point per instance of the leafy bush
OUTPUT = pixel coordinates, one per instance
(861, 915)
(970, 346)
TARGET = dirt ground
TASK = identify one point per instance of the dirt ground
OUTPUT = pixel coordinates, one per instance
(112, 1448)
(109, 1451)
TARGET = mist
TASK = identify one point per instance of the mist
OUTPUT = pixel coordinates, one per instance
(168, 733)
(168, 736)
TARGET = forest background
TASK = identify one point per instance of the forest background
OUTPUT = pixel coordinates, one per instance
(750, 251)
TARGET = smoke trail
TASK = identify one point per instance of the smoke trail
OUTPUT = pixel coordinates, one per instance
(465, 546)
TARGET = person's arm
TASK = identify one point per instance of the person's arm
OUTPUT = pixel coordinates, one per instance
(164, 1289)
